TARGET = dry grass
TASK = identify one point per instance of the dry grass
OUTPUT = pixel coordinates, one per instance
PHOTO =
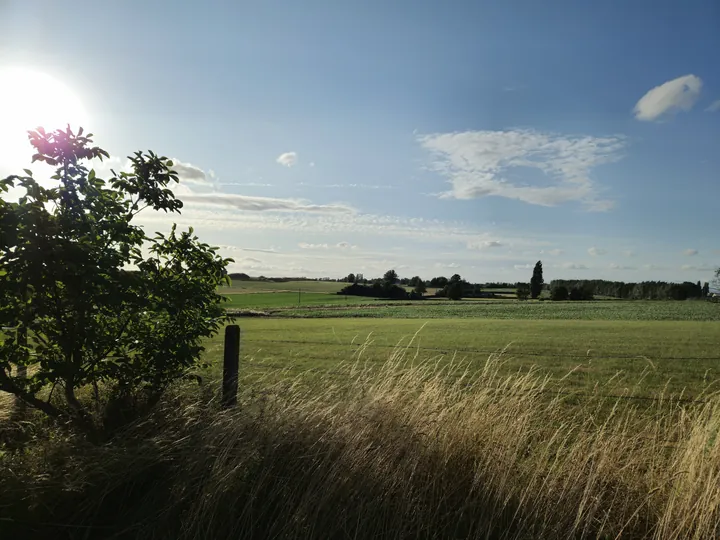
(406, 450)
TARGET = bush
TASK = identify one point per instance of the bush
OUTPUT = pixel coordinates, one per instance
(559, 293)
(84, 318)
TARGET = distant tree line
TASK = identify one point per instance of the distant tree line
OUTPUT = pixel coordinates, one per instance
(586, 289)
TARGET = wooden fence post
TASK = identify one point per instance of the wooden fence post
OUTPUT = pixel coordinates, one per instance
(231, 365)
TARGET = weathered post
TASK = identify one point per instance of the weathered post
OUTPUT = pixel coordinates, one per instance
(231, 365)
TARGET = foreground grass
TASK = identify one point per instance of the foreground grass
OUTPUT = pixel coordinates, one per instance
(400, 450)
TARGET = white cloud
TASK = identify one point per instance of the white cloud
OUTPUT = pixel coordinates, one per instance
(574, 266)
(264, 204)
(523, 266)
(615, 266)
(483, 163)
(192, 174)
(677, 95)
(447, 265)
(555, 252)
(714, 106)
(288, 159)
(695, 268)
(629, 253)
(690, 252)
(596, 252)
(484, 244)
(339, 245)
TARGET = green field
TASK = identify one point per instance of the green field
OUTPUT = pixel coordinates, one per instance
(282, 299)
(285, 305)
(255, 286)
(642, 357)
(645, 347)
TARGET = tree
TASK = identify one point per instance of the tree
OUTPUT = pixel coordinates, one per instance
(438, 282)
(96, 300)
(420, 287)
(454, 290)
(536, 282)
(390, 277)
(559, 293)
(415, 280)
(522, 291)
(705, 290)
(350, 278)
(455, 278)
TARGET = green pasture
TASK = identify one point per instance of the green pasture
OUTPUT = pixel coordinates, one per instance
(643, 358)
(255, 286)
(280, 299)
(599, 310)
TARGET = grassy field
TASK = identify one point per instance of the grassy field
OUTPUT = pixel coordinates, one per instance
(642, 358)
(255, 286)
(616, 310)
(282, 299)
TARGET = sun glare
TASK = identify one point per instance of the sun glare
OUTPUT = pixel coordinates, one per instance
(29, 99)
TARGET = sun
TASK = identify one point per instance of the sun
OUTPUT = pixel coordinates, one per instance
(31, 99)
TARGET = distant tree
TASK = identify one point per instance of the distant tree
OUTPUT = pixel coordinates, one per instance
(405, 281)
(455, 278)
(420, 287)
(390, 277)
(522, 291)
(705, 289)
(580, 292)
(415, 280)
(350, 278)
(536, 282)
(438, 282)
(454, 290)
(559, 293)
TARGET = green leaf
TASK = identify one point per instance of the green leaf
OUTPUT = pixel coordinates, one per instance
(28, 172)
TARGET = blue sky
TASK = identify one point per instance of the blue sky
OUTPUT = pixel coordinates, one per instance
(327, 137)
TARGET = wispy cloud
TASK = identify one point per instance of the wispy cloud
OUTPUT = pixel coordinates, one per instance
(484, 244)
(346, 186)
(483, 163)
(596, 252)
(288, 159)
(447, 265)
(615, 266)
(266, 204)
(574, 266)
(523, 266)
(629, 253)
(714, 106)
(555, 252)
(191, 174)
(690, 252)
(677, 95)
(339, 245)
(697, 268)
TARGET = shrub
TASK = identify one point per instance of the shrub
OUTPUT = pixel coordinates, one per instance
(95, 300)
(559, 293)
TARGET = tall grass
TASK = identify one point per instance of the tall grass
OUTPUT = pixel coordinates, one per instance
(410, 449)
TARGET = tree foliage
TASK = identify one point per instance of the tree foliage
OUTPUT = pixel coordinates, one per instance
(559, 293)
(95, 300)
(536, 282)
(522, 291)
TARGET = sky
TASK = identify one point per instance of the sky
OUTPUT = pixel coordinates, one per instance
(320, 138)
